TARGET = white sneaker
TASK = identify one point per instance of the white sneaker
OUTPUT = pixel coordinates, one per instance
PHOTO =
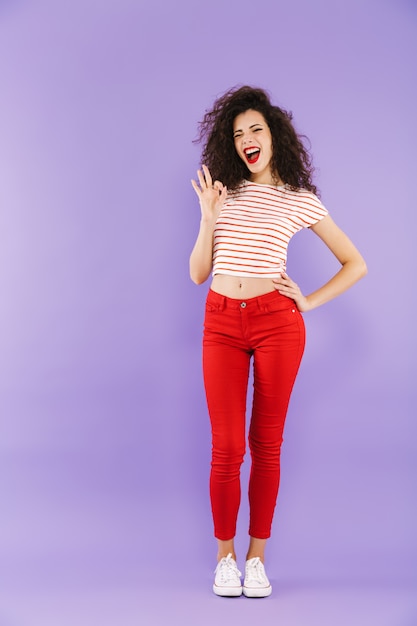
(227, 578)
(256, 584)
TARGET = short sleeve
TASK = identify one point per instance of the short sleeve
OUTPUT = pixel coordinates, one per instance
(311, 209)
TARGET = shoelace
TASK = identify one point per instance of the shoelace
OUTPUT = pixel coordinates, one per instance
(227, 569)
(255, 571)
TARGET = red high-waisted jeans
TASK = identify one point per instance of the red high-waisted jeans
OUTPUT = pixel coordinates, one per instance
(271, 329)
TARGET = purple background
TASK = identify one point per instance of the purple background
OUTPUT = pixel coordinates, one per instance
(104, 436)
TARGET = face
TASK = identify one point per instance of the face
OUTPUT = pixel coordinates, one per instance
(253, 143)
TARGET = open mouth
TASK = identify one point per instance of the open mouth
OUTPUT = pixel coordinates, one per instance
(252, 154)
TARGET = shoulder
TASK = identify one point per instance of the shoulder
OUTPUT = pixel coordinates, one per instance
(306, 196)
(307, 205)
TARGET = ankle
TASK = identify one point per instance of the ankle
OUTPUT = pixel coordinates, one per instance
(222, 555)
(224, 548)
(252, 555)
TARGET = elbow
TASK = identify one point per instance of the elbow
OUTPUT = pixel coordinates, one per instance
(358, 268)
(199, 272)
(363, 269)
(197, 277)
(196, 280)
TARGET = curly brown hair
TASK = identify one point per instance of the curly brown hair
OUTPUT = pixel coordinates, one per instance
(291, 161)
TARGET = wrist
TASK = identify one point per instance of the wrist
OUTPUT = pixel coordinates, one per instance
(207, 223)
(309, 303)
(305, 305)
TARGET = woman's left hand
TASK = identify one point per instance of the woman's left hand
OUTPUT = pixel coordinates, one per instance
(287, 287)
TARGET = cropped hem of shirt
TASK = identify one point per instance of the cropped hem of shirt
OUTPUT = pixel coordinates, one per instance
(255, 226)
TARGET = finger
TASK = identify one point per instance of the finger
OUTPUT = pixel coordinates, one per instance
(217, 185)
(202, 180)
(287, 280)
(281, 282)
(196, 188)
(207, 176)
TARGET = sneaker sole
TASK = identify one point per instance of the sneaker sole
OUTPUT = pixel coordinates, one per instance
(228, 592)
(250, 592)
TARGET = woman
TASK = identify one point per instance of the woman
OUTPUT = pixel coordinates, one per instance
(255, 191)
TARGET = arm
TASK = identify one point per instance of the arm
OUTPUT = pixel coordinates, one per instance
(212, 197)
(201, 258)
(353, 268)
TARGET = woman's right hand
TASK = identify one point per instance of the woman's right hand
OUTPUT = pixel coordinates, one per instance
(211, 195)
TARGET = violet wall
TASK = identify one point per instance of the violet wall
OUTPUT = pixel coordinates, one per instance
(104, 437)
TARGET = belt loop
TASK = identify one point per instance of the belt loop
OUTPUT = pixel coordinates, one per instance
(261, 305)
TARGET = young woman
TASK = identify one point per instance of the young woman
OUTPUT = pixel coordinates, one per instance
(255, 191)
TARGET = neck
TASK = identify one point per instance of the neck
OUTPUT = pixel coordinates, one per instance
(263, 179)
(266, 177)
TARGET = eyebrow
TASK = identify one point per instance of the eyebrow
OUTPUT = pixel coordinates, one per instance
(239, 130)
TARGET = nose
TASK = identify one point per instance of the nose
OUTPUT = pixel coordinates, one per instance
(247, 140)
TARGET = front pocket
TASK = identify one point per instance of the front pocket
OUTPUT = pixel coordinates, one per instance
(281, 304)
(214, 303)
(212, 308)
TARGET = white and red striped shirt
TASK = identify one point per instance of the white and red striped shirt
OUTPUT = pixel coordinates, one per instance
(255, 225)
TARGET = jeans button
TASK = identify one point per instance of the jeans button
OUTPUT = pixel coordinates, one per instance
(243, 305)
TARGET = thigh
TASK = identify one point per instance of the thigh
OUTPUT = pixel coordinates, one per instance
(276, 363)
(226, 371)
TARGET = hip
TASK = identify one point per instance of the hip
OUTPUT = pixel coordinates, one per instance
(268, 317)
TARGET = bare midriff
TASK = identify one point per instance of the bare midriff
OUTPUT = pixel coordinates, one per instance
(241, 287)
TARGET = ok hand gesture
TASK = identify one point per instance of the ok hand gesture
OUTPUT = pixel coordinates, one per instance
(211, 195)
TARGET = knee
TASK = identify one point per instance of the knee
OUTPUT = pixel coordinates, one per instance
(228, 454)
(265, 452)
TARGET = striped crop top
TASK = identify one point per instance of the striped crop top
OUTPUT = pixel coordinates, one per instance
(255, 225)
